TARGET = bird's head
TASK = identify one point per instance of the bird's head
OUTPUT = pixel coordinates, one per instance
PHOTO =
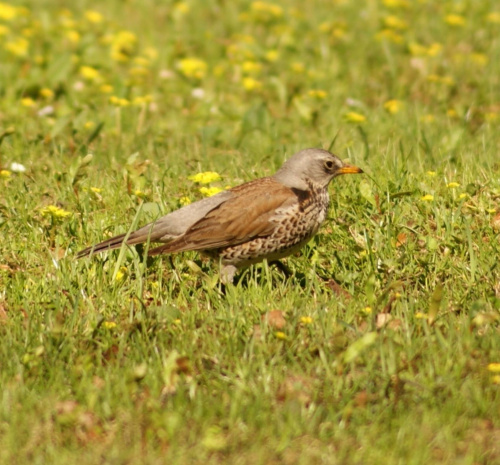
(316, 165)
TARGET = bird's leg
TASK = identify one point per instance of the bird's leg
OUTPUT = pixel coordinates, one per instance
(282, 267)
(227, 273)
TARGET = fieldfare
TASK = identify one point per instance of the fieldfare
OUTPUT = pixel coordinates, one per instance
(268, 218)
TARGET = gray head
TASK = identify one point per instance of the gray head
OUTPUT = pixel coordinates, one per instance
(316, 165)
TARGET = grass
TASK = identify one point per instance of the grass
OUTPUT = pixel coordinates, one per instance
(119, 359)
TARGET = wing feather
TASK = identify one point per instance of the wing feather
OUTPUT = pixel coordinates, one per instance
(251, 212)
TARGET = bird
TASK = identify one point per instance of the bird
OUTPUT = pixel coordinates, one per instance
(266, 218)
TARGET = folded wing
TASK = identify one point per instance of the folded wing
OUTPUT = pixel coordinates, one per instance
(252, 211)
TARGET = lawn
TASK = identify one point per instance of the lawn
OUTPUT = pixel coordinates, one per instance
(382, 345)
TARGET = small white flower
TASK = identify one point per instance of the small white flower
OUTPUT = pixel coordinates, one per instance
(17, 167)
(48, 110)
(198, 93)
(166, 74)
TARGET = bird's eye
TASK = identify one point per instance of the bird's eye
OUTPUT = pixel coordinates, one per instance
(329, 165)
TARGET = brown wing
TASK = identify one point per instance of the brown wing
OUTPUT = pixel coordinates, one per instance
(247, 215)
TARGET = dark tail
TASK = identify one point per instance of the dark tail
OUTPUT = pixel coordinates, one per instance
(113, 243)
(158, 250)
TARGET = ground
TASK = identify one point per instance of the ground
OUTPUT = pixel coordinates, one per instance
(382, 343)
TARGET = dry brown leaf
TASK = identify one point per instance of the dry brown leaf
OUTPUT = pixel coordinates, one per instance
(183, 365)
(338, 290)
(275, 319)
(295, 387)
(66, 406)
(3, 314)
(395, 324)
(257, 332)
(495, 222)
(383, 319)
(401, 239)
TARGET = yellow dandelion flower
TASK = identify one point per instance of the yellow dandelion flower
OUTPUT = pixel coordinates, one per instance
(493, 17)
(18, 47)
(394, 22)
(431, 174)
(454, 20)
(306, 320)
(463, 195)
(73, 36)
(5, 174)
(491, 116)
(151, 53)
(495, 379)
(210, 191)
(46, 93)
(90, 73)
(68, 23)
(317, 93)
(479, 59)
(297, 67)
(427, 198)
(89, 125)
(192, 68)
(106, 88)
(396, 3)
(138, 71)
(494, 367)
(264, 11)
(139, 101)
(271, 55)
(181, 8)
(4, 30)
(109, 324)
(417, 49)
(121, 274)
(205, 177)
(251, 67)
(93, 16)
(97, 190)
(452, 185)
(428, 118)
(367, 310)
(281, 335)
(448, 81)
(8, 12)
(354, 117)
(434, 49)
(55, 212)
(141, 61)
(393, 106)
(421, 315)
(139, 193)
(390, 35)
(119, 102)
(123, 45)
(251, 84)
(28, 102)
(184, 201)
(325, 26)
(338, 33)
(219, 70)
(28, 32)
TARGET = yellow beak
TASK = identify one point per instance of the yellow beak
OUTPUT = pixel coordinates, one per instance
(349, 169)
